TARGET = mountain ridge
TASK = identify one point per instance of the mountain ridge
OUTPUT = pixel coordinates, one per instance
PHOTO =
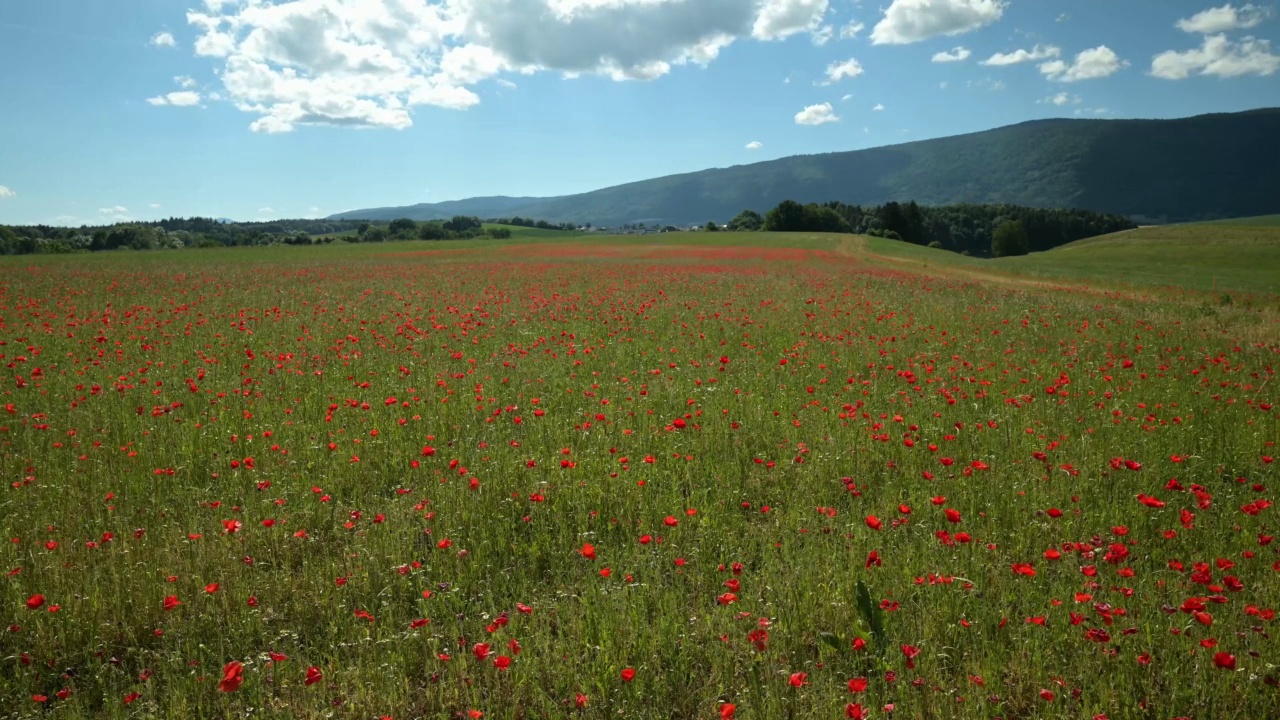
(1202, 167)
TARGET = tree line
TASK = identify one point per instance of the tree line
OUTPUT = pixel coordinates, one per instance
(198, 232)
(968, 229)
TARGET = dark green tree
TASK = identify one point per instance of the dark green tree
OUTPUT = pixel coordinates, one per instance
(820, 218)
(712, 226)
(1009, 239)
(403, 226)
(749, 220)
(788, 216)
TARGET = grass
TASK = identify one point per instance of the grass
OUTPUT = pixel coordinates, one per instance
(1204, 260)
(1256, 220)
(751, 468)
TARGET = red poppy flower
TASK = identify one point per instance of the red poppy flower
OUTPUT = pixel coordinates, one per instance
(798, 679)
(1225, 660)
(854, 711)
(171, 602)
(34, 602)
(628, 675)
(232, 676)
(313, 675)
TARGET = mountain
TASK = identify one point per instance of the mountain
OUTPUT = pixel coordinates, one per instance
(1156, 171)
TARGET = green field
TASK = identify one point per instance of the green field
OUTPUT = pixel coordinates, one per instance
(746, 475)
(1208, 259)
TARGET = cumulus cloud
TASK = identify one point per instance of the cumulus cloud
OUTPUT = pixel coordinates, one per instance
(368, 63)
(838, 71)
(1228, 17)
(1035, 54)
(851, 30)
(878, 107)
(1099, 62)
(755, 145)
(817, 115)
(959, 54)
(155, 206)
(163, 39)
(909, 21)
(776, 19)
(1062, 98)
(1219, 57)
(184, 82)
(6, 192)
(182, 98)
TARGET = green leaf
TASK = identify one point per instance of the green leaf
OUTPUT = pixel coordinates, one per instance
(834, 641)
(872, 614)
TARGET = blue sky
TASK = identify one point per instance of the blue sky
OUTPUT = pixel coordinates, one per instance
(259, 109)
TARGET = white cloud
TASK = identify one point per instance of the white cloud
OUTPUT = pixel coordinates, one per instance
(777, 18)
(959, 54)
(184, 82)
(817, 115)
(987, 84)
(846, 98)
(878, 107)
(6, 192)
(1219, 57)
(1062, 98)
(368, 63)
(1062, 18)
(838, 71)
(1228, 17)
(1099, 62)
(117, 213)
(909, 21)
(1093, 111)
(182, 98)
(755, 145)
(163, 39)
(822, 35)
(1035, 54)
(154, 206)
(266, 211)
(851, 30)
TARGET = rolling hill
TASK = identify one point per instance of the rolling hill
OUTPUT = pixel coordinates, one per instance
(1156, 171)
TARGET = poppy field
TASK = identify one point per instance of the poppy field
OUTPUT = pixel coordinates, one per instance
(591, 480)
